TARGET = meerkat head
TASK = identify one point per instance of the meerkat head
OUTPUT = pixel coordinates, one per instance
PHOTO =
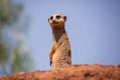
(57, 21)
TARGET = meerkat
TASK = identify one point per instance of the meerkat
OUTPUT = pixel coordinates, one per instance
(60, 52)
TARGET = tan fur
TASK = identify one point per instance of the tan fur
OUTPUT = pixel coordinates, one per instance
(60, 52)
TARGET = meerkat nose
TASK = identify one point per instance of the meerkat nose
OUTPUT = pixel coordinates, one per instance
(54, 21)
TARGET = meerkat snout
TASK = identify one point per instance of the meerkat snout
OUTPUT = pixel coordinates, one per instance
(57, 20)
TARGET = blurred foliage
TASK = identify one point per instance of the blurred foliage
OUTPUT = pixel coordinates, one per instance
(9, 12)
(14, 51)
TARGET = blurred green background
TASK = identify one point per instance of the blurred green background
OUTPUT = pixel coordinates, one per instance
(14, 50)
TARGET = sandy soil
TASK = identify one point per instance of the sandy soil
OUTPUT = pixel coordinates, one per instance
(73, 72)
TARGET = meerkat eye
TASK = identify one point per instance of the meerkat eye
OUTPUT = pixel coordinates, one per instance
(58, 16)
(51, 17)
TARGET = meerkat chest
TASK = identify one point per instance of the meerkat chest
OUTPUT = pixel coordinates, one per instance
(61, 44)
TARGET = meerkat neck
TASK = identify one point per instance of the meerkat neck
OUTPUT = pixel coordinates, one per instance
(57, 33)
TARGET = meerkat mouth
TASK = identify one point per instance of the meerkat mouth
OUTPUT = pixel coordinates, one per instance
(55, 22)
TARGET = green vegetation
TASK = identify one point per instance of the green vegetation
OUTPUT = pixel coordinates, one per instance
(14, 51)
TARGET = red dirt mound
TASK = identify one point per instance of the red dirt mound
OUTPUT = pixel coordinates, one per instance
(73, 72)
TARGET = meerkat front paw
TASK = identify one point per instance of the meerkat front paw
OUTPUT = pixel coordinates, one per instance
(50, 62)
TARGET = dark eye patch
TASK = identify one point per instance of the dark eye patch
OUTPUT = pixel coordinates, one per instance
(58, 16)
(51, 17)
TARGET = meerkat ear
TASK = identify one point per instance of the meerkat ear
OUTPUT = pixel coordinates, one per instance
(65, 18)
(48, 19)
